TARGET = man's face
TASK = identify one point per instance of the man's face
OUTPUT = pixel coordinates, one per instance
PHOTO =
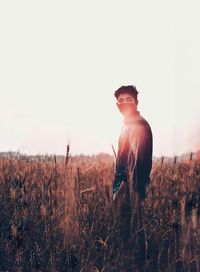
(127, 104)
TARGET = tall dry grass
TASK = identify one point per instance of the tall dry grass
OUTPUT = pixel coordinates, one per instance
(57, 215)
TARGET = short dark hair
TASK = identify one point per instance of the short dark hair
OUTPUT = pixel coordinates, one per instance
(130, 89)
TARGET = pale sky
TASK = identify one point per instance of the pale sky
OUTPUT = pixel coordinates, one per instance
(61, 61)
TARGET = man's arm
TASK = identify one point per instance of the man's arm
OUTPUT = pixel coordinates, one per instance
(121, 170)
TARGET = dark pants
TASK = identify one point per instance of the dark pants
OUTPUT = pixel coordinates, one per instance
(128, 208)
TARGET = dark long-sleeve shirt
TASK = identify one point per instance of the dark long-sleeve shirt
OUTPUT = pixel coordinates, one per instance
(134, 156)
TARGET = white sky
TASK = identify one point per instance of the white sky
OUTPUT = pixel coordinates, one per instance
(61, 61)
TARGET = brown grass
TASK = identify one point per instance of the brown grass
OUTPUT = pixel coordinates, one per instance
(57, 215)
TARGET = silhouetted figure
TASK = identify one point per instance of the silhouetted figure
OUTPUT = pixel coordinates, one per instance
(132, 175)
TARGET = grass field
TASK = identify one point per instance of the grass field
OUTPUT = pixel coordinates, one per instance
(57, 215)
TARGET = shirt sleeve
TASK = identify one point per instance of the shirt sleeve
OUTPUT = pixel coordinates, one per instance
(121, 170)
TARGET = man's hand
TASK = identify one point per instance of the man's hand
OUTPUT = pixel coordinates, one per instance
(120, 195)
(114, 196)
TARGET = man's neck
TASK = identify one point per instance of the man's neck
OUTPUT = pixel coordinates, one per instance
(131, 117)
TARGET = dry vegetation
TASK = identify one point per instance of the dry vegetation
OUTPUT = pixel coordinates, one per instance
(57, 215)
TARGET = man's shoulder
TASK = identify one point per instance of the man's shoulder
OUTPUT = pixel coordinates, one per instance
(141, 121)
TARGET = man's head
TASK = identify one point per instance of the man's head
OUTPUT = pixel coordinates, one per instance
(127, 100)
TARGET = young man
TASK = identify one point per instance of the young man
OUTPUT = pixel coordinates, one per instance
(133, 164)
